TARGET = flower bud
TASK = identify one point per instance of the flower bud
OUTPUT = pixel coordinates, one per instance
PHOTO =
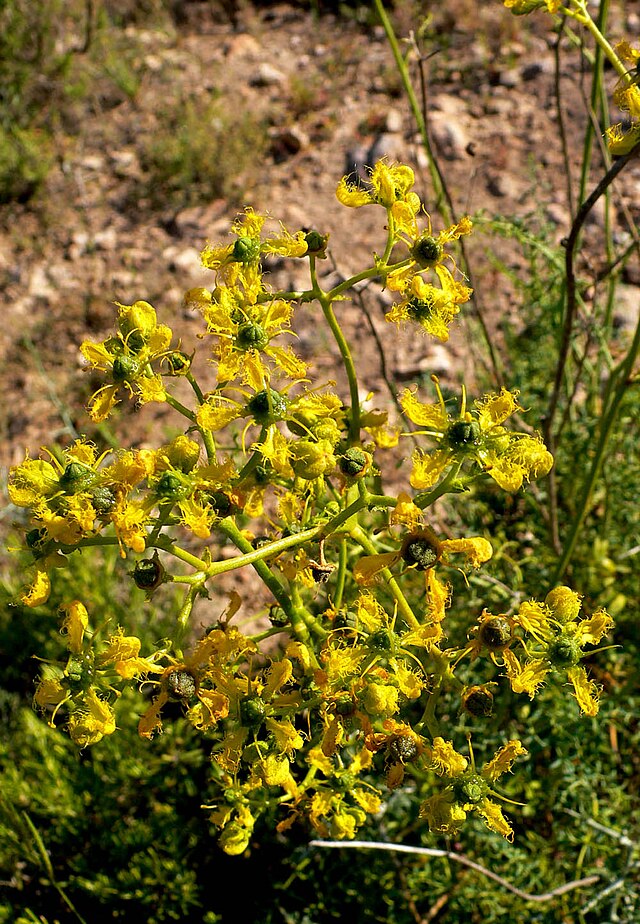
(311, 460)
(565, 604)
(183, 453)
(137, 322)
(381, 700)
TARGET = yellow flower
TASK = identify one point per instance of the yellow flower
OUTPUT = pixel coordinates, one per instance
(422, 550)
(468, 789)
(390, 185)
(239, 262)
(477, 436)
(245, 329)
(433, 308)
(128, 357)
(91, 720)
(559, 638)
(523, 7)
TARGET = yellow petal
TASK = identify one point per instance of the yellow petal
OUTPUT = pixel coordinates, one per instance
(369, 566)
(503, 760)
(39, 591)
(74, 624)
(494, 818)
(586, 691)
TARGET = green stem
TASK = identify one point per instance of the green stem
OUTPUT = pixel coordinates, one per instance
(403, 70)
(181, 408)
(622, 376)
(349, 365)
(359, 536)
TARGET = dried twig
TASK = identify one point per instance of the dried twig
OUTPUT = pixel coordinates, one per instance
(465, 861)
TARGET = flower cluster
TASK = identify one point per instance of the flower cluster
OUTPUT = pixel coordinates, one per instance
(333, 698)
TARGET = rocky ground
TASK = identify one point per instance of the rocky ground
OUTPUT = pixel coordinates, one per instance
(328, 92)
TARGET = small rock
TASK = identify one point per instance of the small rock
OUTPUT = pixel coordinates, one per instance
(450, 137)
(393, 121)
(183, 260)
(627, 308)
(106, 240)
(557, 214)
(285, 142)
(266, 76)
(92, 162)
(389, 145)
(502, 185)
(510, 78)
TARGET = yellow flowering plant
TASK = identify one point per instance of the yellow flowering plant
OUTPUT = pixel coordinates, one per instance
(335, 695)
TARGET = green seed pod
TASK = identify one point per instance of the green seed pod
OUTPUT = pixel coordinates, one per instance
(76, 478)
(148, 574)
(277, 616)
(262, 473)
(80, 672)
(181, 685)
(245, 250)
(251, 336)
(470, 788)
(219, 502)
(463, 434)
(316, 243)
(170, 486)
(427, 251)
(345, 620)
(267, 406)
(382, 640)
(345, 706)
(564, 651)
(252, 711)
(403, 749)
(126, 368)
(419, 553)
(495, 633)
(354, 462)
(178, 363)
(420, 309)
(478, 701)
(35, 538)
(103, 500)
